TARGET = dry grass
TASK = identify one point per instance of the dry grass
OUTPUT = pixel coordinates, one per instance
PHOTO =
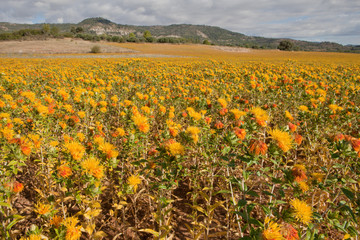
(131, 50)
(57, 46)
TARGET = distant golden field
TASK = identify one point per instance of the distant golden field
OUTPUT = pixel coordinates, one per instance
(207, 143)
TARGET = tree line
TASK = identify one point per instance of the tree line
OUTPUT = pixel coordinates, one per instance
(48, 31)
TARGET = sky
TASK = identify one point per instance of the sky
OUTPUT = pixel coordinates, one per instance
(310, 20)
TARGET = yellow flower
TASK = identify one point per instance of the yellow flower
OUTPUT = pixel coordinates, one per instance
(141, 123)
(54, 143)
(114, 98)
(73, 232)
(302, 211)
(303, 186)
(81, 136)
(222, 102)
(272, 232)
(99, 140)
(282, 138)
(260, 115)
(195, 115)
(146, 109)
(121, 132)
(76, 149)
(289, 116)
(43, 209)
(92, 166)
(237, 113)
(81, 114)
(56, 221)
(335, 107)
(43, 110)
(347, 236)
(108, 149)
(193, 131)
(303, 108)
(5, 115)
(134, 181)
(318, 176)
(32, 236)
(174, 148)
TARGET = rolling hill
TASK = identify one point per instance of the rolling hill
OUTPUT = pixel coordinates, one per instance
(184, 32)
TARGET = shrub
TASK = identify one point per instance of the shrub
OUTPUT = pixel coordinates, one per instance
(96, 49)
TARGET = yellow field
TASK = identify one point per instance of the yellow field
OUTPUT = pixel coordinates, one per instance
(207, 145)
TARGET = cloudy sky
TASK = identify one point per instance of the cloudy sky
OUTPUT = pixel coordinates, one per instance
(312, 20)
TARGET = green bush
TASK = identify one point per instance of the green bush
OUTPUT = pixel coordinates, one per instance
(96, 49)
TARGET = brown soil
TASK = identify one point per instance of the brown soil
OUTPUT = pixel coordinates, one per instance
(232, 49)
(57, 46)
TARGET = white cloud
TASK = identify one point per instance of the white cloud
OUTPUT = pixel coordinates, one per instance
(328, 20)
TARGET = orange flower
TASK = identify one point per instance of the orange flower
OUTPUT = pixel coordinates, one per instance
(292, 127)
(219, 125)
(223, 111)
(299, 172)
(240, 133)
(339, 137)
(207, 120)
(173, 131)
(25, 149)
(298, 139)
(355, 143)
(56, 221)
(258, 147)
(17, 187)
(289, 232)
(64, 171)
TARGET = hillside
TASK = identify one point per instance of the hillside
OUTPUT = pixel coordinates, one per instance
(111, 31)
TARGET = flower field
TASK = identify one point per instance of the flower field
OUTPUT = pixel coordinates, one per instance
(180, 148)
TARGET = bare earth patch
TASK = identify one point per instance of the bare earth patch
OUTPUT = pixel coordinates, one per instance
(232, 49)
(57, 46)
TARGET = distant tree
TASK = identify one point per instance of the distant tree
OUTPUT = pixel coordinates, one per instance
(206, 42)
(286, 45)
(76, 30)
(54, 31)
(132, 38)
(45, 29)
(95, 49)
(79, 29)
(115, 39)
(147, 34)
(73, 30)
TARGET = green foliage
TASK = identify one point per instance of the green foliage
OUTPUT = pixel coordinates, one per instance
(132, 38)
(185, 33)
(286, 45)
(96, 49)
(206, 42)
(46, 28)
(147, 34)
(54, 31)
